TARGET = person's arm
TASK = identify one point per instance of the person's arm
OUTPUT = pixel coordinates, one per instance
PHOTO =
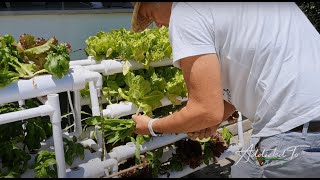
(205, 106)
(229, 109)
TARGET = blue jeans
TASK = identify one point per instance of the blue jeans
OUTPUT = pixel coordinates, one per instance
(286, 155)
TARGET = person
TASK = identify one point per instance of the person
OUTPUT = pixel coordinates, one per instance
(260, 58)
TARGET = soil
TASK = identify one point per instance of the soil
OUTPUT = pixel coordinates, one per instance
(143, 172)
(218, 146)
(189, 152)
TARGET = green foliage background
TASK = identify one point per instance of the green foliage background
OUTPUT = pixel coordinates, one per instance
(312, 11)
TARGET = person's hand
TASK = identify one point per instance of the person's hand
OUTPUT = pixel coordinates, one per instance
(205, 133)
(141, 124)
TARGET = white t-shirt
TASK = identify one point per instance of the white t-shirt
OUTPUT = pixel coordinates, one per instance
(269, 54)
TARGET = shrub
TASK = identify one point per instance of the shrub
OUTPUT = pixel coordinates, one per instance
(312, 11)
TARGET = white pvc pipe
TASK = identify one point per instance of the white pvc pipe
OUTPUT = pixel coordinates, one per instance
(126, 151)
(87, 157)
(29, 173)
(88, 133)
(123, 152)
(119, 110)
(112, 66)
(55, 118)
(87, 101)
(94, 168)
(126, 108)
(43, 110)
(94, 94)
(165, 101)
(52, 108)
(90, 166)
(21, 103)
(161, 141)
(229, 152)
(77, 109)
(90, 143)
(42, 99)
(99, 136)
(93, 76)
(240, 131)
(186, 170)
(102, 67)
(47, 84)
(82, 62)
(167, 153)
(135, 65)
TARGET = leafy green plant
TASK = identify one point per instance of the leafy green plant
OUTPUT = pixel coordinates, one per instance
(148, 46)
(34, 135)
(111, 85)
(85, 92)
(146, 88)
(57, 60)
(214, 147)
(72, 149)
(115, 129)
(15, 159)
(176, 163)
(226, 134)
(153, 159)
(45, 165)
(37, 129)
(46, 55)
(120, 130)
(140, 139)
(11, 68)
(141, 93)
(30, 57)
(13, 130)
(30, 133)
(167, 110)
(207, 153)
(10, 174)
(175, 83)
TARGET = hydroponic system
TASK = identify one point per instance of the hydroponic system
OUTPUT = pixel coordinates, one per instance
(125, 73)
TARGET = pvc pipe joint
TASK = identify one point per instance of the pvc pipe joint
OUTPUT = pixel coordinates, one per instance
(240, 131)
(90, 60)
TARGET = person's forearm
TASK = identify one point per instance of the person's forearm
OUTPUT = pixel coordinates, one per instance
(188, 119)
(191, 120)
